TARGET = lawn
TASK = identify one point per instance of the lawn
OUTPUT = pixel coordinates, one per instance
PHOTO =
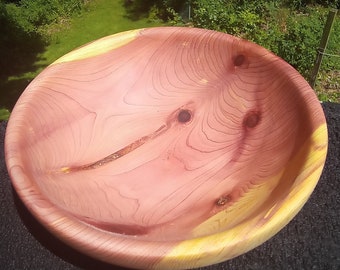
(99, 18)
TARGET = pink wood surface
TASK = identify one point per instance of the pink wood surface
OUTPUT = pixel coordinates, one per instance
(151, 139)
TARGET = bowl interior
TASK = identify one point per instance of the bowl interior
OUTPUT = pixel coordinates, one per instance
(167, 135)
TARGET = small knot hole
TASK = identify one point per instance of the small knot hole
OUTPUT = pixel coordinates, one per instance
(239, 60)
(251, 119)
(184, 116)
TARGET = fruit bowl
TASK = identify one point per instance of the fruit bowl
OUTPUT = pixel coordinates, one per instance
(166, 148)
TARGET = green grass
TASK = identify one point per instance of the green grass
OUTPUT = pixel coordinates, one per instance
(328, 85)
(98, 18)
(4, 114)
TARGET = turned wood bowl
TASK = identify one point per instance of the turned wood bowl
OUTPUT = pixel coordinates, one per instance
(166, 148)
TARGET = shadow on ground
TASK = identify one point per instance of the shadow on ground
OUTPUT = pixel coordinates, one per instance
(55, 245)
(154, 9)
(19, 50)
(137, 9)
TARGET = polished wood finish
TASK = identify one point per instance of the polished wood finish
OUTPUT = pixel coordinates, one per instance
(166, 147)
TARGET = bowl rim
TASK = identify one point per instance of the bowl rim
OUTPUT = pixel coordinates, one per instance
(192, 252)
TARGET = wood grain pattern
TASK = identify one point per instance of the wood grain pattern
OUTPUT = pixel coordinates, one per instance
(166, 147)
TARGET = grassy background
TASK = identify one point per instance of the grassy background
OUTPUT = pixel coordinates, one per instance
(101, 18)
(98, 18)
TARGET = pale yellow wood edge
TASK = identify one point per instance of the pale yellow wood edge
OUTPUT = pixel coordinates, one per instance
(99, 46)
(251, 233)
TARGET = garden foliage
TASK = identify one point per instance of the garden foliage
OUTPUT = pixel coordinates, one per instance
(22, 23)
(22, 37)
(32, 14)
(292, 29)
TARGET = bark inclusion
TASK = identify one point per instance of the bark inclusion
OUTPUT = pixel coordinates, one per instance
(183, 116)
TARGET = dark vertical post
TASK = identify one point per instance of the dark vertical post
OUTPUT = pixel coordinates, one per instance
(323, 44)
(189, 10)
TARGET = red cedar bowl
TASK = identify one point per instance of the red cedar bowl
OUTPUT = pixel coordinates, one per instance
(166, 148)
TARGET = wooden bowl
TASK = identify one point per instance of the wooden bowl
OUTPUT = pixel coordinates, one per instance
(166, 148)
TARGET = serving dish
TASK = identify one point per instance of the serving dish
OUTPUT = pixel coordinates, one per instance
(166, 148)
